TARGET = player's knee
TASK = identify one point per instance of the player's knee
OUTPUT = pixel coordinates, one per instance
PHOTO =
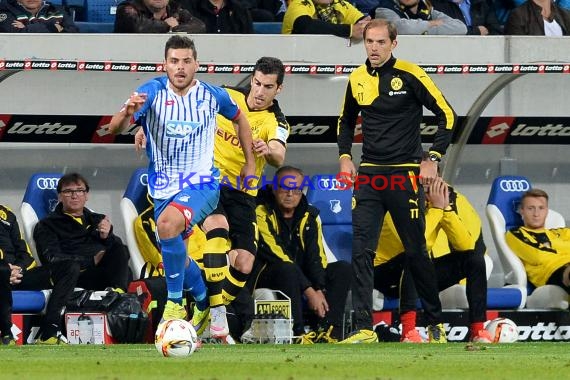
(168, 228)
(215, 221)
(170, 223)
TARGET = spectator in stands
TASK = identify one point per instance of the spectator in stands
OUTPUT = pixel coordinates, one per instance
(545, 253)
(337, 17)
(34, 16)
(221, 16)
(18, 271)
(79, 247)
(155, 16)
(419, 17)
(538, 18)
(266, 10)
(290, 257)
(454, 242)
(479, 16)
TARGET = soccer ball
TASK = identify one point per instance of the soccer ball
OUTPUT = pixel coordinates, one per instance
(175, 338)
(503, 330)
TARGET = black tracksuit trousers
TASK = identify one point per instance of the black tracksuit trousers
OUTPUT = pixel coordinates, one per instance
(398, 191)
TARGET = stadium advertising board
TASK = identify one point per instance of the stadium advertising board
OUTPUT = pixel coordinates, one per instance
(533, 325)
(304, 129)
(311, 69)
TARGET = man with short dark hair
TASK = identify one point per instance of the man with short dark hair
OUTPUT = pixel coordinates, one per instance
(544, 252)
(80, 249)
(235, 213)
(291, 258)
(178, 116)
(270, 131)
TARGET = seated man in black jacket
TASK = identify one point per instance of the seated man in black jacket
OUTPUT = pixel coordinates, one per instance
(155, 16)
(221, 16)
(291, 258)
(18, 271)
(34, 16)
(79, 247)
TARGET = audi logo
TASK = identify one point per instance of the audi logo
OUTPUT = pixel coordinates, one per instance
(514, 185)
(328, 184)
(47, 183)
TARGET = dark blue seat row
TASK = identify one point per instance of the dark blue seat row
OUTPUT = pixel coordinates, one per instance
(107, 27)
(95, 27)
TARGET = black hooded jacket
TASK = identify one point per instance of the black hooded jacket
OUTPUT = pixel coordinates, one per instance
(61, 237)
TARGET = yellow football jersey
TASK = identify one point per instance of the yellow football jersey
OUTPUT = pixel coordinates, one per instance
(269, 124)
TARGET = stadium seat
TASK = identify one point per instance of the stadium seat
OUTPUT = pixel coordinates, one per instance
(30, 301)
(39, 200)
(335, 208)
(502, 213)
(267, 27)
(134, 202)
(95, 27)
(101, 10)
(75, 7)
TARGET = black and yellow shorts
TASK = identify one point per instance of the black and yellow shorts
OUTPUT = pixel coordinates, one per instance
(239, 209)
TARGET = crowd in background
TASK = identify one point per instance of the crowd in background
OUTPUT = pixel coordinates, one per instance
(336, 17)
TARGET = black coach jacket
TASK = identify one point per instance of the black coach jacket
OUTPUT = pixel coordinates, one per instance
(301, 243)
(61, 237)
(391, 99)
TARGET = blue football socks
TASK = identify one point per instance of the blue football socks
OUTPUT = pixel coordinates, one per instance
(194, 283)
(174, 260)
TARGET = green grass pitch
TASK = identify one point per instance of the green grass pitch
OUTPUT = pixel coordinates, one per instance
(292, 362)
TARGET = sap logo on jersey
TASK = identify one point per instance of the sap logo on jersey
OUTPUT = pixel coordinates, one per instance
(180, 129)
